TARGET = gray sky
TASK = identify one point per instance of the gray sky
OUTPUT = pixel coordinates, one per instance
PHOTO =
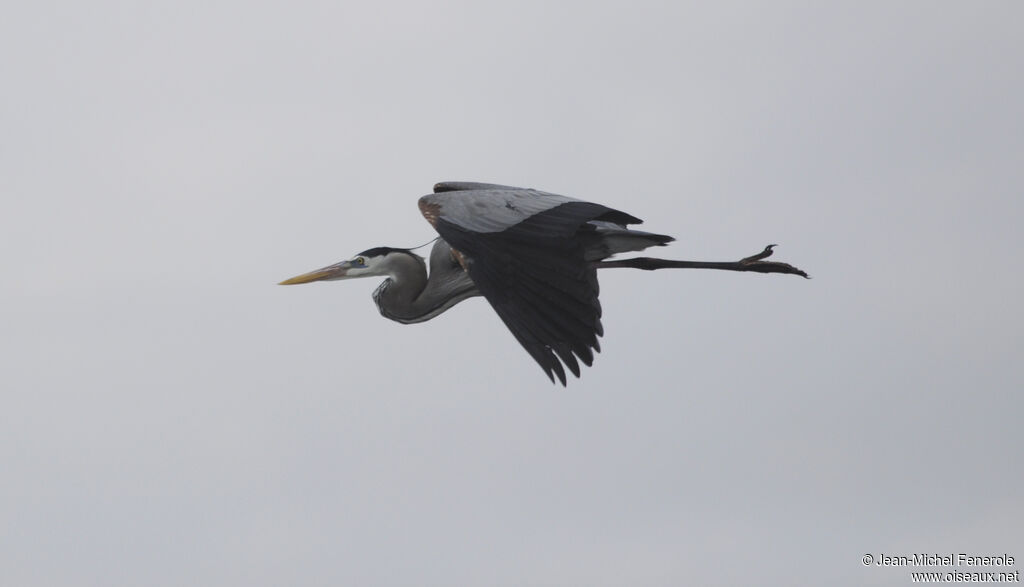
(169, 416)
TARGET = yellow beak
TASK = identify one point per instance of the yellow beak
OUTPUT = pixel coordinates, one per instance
(336, 271)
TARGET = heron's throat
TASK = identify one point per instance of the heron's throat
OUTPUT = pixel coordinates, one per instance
(396, 296)
(397, 302)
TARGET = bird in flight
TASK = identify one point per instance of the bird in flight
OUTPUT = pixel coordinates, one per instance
(533, 255)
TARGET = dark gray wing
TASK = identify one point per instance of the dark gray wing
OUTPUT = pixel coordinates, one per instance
(521, 249)
(488, 210)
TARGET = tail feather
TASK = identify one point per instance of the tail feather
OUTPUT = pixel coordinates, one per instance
(604, 239)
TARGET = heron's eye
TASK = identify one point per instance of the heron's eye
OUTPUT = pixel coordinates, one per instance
(360, 261)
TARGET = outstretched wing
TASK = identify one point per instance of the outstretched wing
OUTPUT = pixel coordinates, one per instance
(520, 248)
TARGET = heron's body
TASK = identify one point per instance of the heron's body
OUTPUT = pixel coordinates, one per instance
(532, 254)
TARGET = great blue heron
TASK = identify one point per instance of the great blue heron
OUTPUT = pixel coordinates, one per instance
(532, 254)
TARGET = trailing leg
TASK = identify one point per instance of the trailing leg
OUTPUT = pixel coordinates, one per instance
(752, 263)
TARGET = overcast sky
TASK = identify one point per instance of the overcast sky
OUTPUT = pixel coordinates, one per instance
(169, 416)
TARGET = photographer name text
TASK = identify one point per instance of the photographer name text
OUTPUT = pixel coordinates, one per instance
(942, 560)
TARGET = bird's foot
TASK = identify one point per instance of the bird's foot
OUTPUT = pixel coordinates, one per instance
(756, 263)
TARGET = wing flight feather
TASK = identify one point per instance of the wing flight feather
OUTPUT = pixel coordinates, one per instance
(523, 255)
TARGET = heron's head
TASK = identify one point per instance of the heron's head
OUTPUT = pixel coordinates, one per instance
(376, 261)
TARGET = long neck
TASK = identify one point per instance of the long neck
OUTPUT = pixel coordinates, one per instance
(408, 296)
(396, 296)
